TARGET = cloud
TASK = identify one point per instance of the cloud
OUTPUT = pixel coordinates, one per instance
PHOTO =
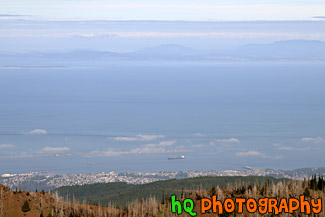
(6, 146)
(13, 33)
(11, 15)
(48, 149)
(147, 150)
(319, 17)
(139, 137)
(289, 148)
(249, 153)
(255, 154)
(151, 148)
(143, 150)
(311, 139)
(36, 132)
(56, 152)
(231, 140)
(199, 135)
(197, 146)
(167, 143)
(162, 144)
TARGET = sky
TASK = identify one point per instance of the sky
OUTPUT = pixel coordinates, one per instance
(128, 25)
(189, 10)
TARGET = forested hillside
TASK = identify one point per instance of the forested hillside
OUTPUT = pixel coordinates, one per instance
(122, 193)
(40, 204)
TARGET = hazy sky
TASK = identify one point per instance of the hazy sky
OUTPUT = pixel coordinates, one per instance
(45, 24)
(216, 10)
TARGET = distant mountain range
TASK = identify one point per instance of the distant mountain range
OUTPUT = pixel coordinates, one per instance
(291, 50)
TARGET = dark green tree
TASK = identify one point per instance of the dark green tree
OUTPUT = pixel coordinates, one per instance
(213, 190)
(163, 198)
(182, 194)
(320, 184)
(306, 192)
(25, 207)
(313, 183)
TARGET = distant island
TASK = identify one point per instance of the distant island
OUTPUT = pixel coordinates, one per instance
(290, 50)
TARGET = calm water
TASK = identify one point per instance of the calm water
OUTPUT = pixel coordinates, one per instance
(266, 107)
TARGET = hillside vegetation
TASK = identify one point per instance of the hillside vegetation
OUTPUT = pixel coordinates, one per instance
(122, 193)
(41, 204)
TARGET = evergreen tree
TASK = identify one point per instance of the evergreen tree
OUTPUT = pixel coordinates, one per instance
(213, 190)
(163, 198)
(25, 207)
(313, 183)
(306, 192)
(320, 185)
